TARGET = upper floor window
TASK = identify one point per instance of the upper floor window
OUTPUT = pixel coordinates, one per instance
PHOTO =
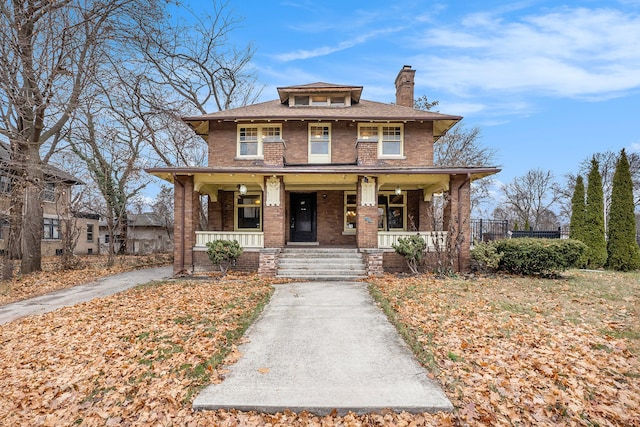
(250, 138)
(89, 232)
(320, 143)
(390, 138)
(49, 194)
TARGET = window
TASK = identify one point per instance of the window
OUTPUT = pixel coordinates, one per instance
(350, 203)
(392, 211)
(89, 232)
(250, 139)
(320, 143)
(391, 141)
(106, 238)
(5, 184)
(51, 228)
(248, 211)
(389, 137)
(49, 194)
(327, 100)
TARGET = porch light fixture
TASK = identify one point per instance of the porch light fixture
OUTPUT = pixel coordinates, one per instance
(398, 190)
(242, 189)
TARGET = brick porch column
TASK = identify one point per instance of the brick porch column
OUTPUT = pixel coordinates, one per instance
(273, 213)
(457, 219)
(367, 213)
(186, 214)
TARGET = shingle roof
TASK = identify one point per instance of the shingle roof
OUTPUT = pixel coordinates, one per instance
(361, 111)
(49, 170)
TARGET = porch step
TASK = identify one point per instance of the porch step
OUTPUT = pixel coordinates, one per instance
(321, 264)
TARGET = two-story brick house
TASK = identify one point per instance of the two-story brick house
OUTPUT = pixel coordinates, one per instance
(319, 166)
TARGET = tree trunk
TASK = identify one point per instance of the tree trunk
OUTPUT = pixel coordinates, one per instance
(32, 227)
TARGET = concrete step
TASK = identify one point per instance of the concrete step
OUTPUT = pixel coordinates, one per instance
(321, 264)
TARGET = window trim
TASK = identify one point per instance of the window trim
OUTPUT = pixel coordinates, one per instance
(52, 225)
(385, 213)
(380, 138)
(260, 139)
(346, 206)
(237, 205)
(319, 158)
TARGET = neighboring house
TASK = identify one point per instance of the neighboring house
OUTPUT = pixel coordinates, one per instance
(56, 201)
(146, 233)
(88, 225)
(320, 166)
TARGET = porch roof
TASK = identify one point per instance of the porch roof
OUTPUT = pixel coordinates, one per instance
(327, 177)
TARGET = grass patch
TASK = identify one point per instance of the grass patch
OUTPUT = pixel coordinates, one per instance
(420, 350)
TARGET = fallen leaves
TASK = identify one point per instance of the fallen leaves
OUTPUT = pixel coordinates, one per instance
(52, 279)
(508, 351)
(528, 352)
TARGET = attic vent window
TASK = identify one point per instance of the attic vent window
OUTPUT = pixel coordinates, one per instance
(319, 101)
(301, 100)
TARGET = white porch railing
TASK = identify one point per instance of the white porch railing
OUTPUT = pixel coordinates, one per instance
(246, 239)
(432, 238)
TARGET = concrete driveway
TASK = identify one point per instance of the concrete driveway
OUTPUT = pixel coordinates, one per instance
(65, 297)
(320, 346)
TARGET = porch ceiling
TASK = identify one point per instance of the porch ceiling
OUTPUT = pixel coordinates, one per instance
(211, 180)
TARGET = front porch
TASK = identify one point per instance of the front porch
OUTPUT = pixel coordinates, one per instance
(325, 206)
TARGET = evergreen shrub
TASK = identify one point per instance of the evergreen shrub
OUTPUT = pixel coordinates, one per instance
(544, 257)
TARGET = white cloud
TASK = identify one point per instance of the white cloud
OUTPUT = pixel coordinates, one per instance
(327, 50)
(635, 147)
(568, 52)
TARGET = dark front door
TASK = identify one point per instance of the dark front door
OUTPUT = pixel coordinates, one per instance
(303, 217)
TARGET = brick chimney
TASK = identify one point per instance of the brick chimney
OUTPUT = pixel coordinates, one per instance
(404, 86)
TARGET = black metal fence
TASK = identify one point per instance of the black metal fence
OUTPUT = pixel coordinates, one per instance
(484, 230)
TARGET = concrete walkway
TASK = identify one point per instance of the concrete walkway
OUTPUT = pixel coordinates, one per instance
(320, 346)
(65, 297)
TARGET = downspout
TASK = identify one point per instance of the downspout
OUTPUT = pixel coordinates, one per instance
(182, 222)
(467, 180)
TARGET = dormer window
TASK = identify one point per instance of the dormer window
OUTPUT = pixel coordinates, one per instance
(335, 100)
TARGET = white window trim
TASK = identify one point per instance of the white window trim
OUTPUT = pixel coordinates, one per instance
(318, 158)
(236, 206)
(380, 138)
(345, 229)
(261, 139)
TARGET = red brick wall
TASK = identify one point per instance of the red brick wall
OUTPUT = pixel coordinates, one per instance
(418, 145)
(331, 220)
(273, 221)
(367, 153)
(215, 214)
(248, 262)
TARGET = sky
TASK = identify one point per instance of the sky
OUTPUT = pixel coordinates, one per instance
(549, 83)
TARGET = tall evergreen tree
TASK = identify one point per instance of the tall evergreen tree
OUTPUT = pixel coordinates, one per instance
(578, 210)
(578, 214)
(594, 234)
(622, 250)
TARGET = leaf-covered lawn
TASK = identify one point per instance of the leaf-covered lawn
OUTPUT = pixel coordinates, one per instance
(51, 278)
(517, 351)
(508, 351)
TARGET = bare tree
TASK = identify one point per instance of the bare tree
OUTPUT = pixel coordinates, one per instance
(462, 147)
(109, 140)
(191, 68)
(48, 52)
(529, 199)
